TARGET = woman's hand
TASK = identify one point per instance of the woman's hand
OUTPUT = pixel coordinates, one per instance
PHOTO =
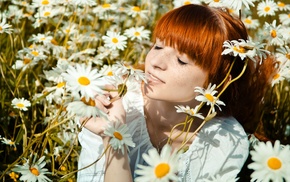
(115, 111)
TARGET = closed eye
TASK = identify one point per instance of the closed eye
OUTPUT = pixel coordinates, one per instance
(157, 47)
(181, 62)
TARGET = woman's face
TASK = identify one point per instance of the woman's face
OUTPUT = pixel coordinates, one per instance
(171, 76)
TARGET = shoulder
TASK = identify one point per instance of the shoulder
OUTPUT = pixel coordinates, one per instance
(226, 132)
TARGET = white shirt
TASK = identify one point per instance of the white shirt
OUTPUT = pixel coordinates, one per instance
(220, 148)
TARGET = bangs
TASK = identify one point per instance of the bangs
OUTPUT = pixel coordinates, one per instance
(193, 30)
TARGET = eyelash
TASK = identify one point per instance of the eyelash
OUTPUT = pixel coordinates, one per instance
(181, 62)
(157, 47)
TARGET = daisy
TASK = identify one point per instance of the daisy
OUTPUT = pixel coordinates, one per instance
(114, 40)
(121, 138)
(83, 81)
(24, 63)
(8, 142)
(279, 76)
(275, 33)
(284, 19)
(84, 2)
(178, 3)
(216, 3)
(189, 111)
(120, 70)
(251, 23)
(33, 172)
(47, 12)
(21, 104)
(270, 163)
(43, 3)
(239, 48)
(4, 27)
(160, 168)
(134, 11)
(268, 7)
(107, 53)
(282, 6)
(207, 95)
(237, 4)
(103, 8)
(84, 109)
(137, 33)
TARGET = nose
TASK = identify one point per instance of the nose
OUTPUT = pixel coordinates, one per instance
(158, 60)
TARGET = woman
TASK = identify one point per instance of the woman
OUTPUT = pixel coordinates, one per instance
(187, 54)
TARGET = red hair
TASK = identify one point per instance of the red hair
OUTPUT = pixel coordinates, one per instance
(200, 31)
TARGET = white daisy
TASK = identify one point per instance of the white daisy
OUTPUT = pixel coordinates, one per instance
(137, 33)
(270, 163)
(275, 33)
(134, 11)
(282, 6)
(237, 4)
(114, 40)
(189, 111)
(34, 171)
(84, 109)
(5, 27)
(216, 3)
(161, 168)
(284, 18)
(239, 48)
(207, 95)
(43, 3)
(178, 3)
(104, 8)
(267, 7)
(83, 81)
(120, 70)
(107, 53)
(47, 12)
(121, 138)
(251, 23)
(84, 2)
(21, 104)
(8, 142)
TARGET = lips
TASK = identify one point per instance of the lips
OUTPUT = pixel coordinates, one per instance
(152, 78)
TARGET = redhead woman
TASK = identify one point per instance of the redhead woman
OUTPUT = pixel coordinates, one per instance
(187, 54)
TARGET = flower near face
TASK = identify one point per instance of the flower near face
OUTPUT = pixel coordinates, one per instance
(115, 40)
(82, 80)
(33, 172)
(270, 162)
(189, 111)
(239, 48)
(21, 104)
(160, 168)
(120, 70)
(121, 138)
(207, 96)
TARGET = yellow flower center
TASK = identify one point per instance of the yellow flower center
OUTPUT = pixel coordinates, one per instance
(13, 176)
(191, 111)
(248, 21)
(136, 8)
(35, 53)
(274, 163)
(84, 80)
(216, 1)
(273, 33)
(89, 103)
(110, 73)
(106, 5)
(60, 84)
(162, 170)
(20, 105)
(289, 15)
(34, 171)
(115, 40)
(1, 28)
(45, 2)
(281, 4)
(186, 3)
(47, 13)
(63, 168)
(267, 8)
(137, 34)
(239, 49)
(54, 42)
(209, 97)
(26, 61)
(92, 35)
(288, 55)
(276, 76)
(23, 2)
(118, 135)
